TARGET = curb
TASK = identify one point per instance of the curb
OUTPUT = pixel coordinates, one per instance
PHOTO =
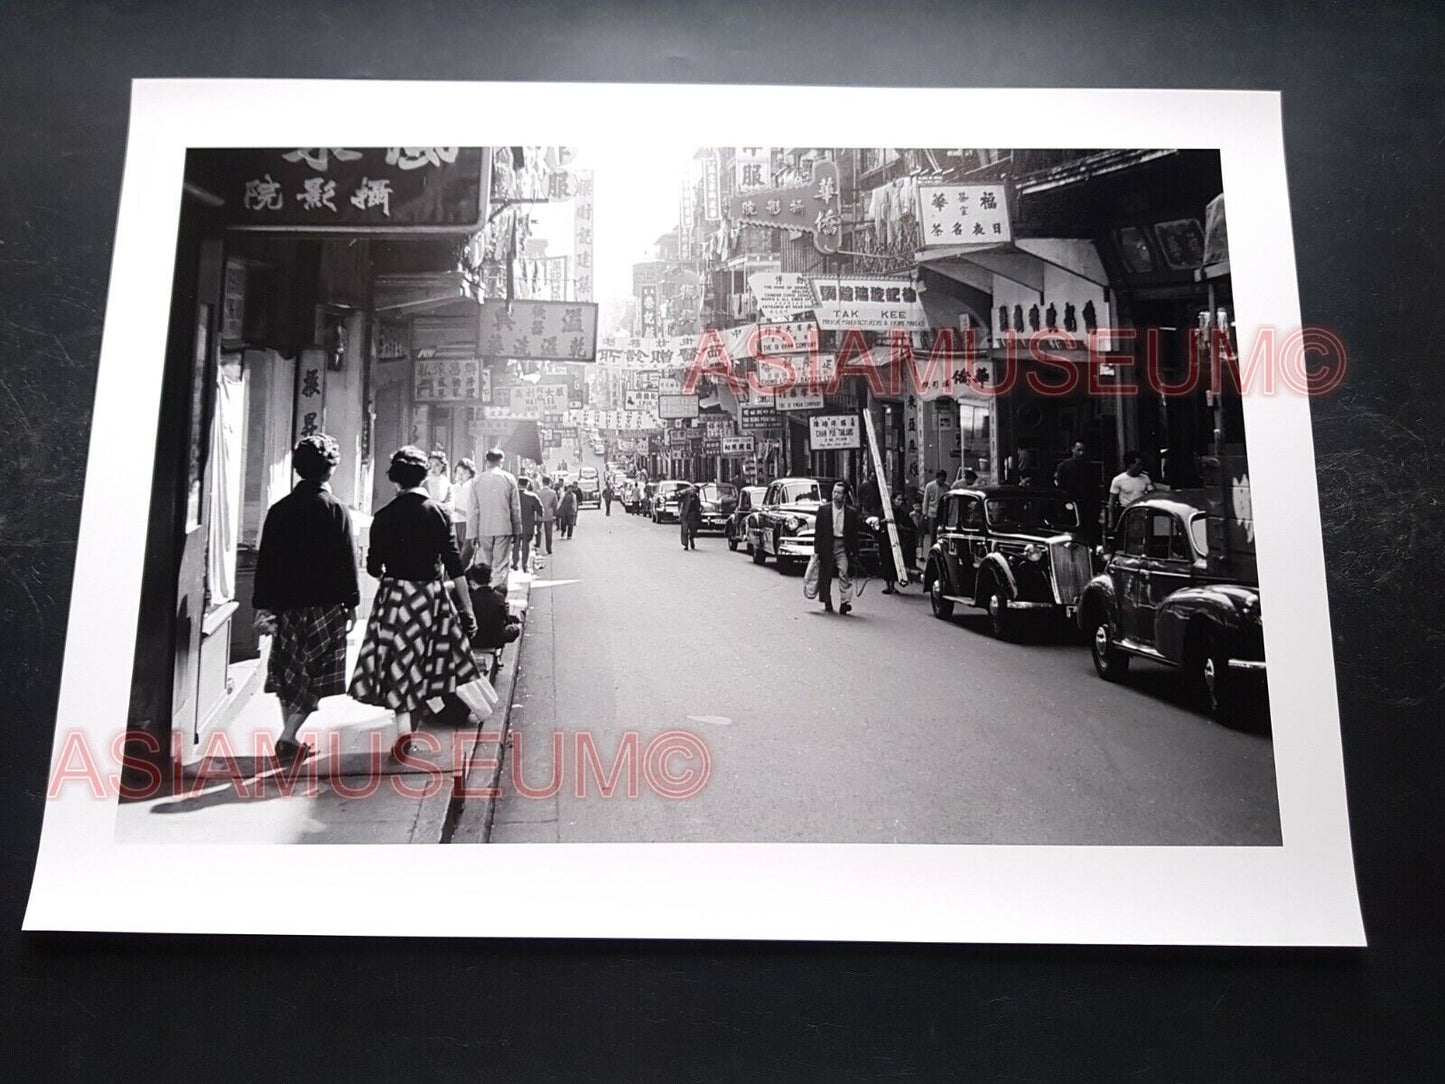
(439, 814)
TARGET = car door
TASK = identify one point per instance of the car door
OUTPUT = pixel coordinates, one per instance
(1127, 567)
(1166, 568)
(972, 543)
(764, 515)
(949, 541)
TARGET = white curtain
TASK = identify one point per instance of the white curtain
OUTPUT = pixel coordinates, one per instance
(227, 429)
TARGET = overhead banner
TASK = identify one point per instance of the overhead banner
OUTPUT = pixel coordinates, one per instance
(834, 432)
(539, 330)
(963, 214)
(677, 406)
(781, 295)
(867, 303)
(813, 208)
(582, 211)
(341, 189)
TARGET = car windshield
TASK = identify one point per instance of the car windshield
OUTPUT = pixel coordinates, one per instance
(719, 491)
(587, 472)
(1031, 513)
(794, 492)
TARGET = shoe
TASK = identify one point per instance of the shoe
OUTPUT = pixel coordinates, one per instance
(827, 607)
(292, 752)
(846, 608)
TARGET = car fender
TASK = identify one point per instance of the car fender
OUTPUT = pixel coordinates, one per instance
(1223, 606)
(935, 568)
(1098, 596)
(995, 563)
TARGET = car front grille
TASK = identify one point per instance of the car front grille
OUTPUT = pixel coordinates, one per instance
(1073, 568)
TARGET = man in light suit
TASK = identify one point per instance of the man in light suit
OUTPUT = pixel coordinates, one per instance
(835, 542)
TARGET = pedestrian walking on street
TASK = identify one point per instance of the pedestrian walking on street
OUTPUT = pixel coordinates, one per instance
(306, 591)
(549, 500)
(1128, 486)
(438, 485)
(932, 494)
(494, 519)
(835, 543)
(567, 510)
(689, 516)
(907, 543)
(462, 475)
(531, 522)
(417, 642)
(1077, 477)
(607, 497)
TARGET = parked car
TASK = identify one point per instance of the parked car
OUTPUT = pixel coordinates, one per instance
(589, 487)
(1167, 596)
(1008, 549)
(664, 500)
(718, 499)
(749, 498)
(782, 526)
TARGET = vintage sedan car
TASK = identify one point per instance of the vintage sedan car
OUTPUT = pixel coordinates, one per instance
(749, 499)
(718, 499)
(783, 524)
(1167, 596)
(663, 508)
(1009, 549)
(589, 487)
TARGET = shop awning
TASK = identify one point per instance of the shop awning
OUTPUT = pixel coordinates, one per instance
(1022, 261)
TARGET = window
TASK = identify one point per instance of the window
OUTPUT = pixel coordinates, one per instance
(948, 514)
(1161, 536)
(972, 513)
(1133, 533)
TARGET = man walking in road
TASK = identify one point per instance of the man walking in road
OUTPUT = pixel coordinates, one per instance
(1076, 477)
(689, 516)
(494, 518)
(531, 517)
(835, 543)
(607, 497)
(548, 498)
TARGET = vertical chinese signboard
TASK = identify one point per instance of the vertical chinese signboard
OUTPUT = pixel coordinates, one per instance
(963, 214)
(341, 188)
(582, 236)
(647, 310)
(310, 406)
(711, 188)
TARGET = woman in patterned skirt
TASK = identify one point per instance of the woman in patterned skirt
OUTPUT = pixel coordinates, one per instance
(306, 591)
(416, 645)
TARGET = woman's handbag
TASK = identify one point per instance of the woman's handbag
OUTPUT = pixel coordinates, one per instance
(810, 577)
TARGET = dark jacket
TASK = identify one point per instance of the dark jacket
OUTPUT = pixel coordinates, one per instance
(689, 507)
(823, 533)
(307, 555)
(493, 618)
(531, 510)
(412, 539)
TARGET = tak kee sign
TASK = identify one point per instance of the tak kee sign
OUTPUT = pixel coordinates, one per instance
(812, 208)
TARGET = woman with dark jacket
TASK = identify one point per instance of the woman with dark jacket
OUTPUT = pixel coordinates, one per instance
(416, 645)
(306, 591)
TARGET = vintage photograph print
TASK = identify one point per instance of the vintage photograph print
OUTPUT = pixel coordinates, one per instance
(589, 491)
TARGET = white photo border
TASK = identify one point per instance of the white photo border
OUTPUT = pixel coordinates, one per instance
(1300, 893)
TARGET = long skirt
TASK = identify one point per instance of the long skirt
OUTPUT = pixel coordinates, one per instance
(308, 656)
(415, 648)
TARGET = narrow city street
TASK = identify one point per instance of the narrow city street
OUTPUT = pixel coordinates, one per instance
(883, 726)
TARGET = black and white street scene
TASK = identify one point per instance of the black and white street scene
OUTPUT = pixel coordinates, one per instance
(700, 494)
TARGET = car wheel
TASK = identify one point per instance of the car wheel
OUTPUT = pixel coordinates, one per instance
(760, 556)
(1111, 663)
(732, 543)
(1231, 702)
(942, 607)
(1002, 621)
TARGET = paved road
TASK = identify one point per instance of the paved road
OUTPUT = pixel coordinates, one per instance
(884, 726)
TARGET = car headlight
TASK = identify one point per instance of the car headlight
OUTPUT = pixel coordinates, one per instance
(1034, 552)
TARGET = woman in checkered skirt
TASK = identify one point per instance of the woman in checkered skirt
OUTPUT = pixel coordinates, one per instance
(306, 591)
(417, 645)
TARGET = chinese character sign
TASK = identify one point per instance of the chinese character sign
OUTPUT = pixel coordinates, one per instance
(677, 406)
(752, 167)
(963, 214)
(867, 303)
(647, 310)
(781, 296)
(348, 188)
(539, 330)
(762, 416)
(436, 379)
(309, 414)
(737, 445)
(813, 207)
(582, 236)
(829, 432)
(711, 188)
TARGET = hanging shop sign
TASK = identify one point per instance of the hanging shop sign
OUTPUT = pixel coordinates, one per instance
(812, 208)
(582, 211)
(537, 400)
(309, 411)
(737, 446)
(539, 330)
(712, 446)
(781, 295)
(797, 398)
(647, 310)
(963, 214)
(641, 399)
(718, 427)
(439, 379)
(867, 303)
(832, 432)
(555, 272)
(677, 406)
(752, 167)
(711, 187)
(760, 416)
(343, 189)
(803, 371)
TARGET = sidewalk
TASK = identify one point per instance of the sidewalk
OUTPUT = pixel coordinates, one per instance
(351, 791)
